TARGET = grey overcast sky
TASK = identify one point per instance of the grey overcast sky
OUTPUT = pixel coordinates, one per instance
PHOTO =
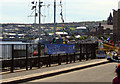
(17, 11)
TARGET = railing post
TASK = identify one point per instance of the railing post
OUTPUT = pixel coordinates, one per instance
(95, 45)
(74, 57)
(12, 60)
(59, 59)
(80, 52)
(70, 58)
(31, 63)
(86, 46)
(91, 51)
(67, 58)
(39, 53)
(49, 60)
(26, 56)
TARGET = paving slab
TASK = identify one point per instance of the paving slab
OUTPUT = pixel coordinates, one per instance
(16, 76)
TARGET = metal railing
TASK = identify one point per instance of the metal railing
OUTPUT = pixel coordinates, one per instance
(23, 55)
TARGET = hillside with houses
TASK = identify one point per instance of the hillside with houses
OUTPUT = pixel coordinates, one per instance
(71, 31)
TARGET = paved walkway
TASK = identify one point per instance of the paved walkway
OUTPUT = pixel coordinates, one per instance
(22, 75)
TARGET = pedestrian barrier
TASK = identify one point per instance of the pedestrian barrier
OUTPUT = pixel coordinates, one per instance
(19, 56)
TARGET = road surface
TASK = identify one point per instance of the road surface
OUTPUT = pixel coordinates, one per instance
(101, 73)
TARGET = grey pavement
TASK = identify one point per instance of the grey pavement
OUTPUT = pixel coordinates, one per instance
(102, 73)
(22, 75)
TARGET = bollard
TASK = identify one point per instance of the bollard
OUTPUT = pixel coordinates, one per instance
(12, 60)
(26, 57)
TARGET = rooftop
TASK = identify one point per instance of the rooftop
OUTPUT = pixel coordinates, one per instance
(81, 27)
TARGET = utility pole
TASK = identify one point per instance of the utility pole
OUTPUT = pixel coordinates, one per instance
(39, 44)
(35, 9)
(35, 12)
(54, 18)
(40, 19)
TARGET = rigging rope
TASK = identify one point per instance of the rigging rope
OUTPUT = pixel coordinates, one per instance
(61, 14)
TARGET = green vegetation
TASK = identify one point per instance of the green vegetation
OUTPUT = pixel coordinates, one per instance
(60, 28)
(72, 37)
(84, 37)
(51, 27)
(29, 38)
(72, 28)
(105, 36)
(50, 32)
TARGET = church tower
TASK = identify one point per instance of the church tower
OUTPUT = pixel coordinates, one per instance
(110, 20)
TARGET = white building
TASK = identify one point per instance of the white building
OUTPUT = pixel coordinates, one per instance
(81, 30)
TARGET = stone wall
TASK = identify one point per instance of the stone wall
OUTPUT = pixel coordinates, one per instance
(116, 23)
